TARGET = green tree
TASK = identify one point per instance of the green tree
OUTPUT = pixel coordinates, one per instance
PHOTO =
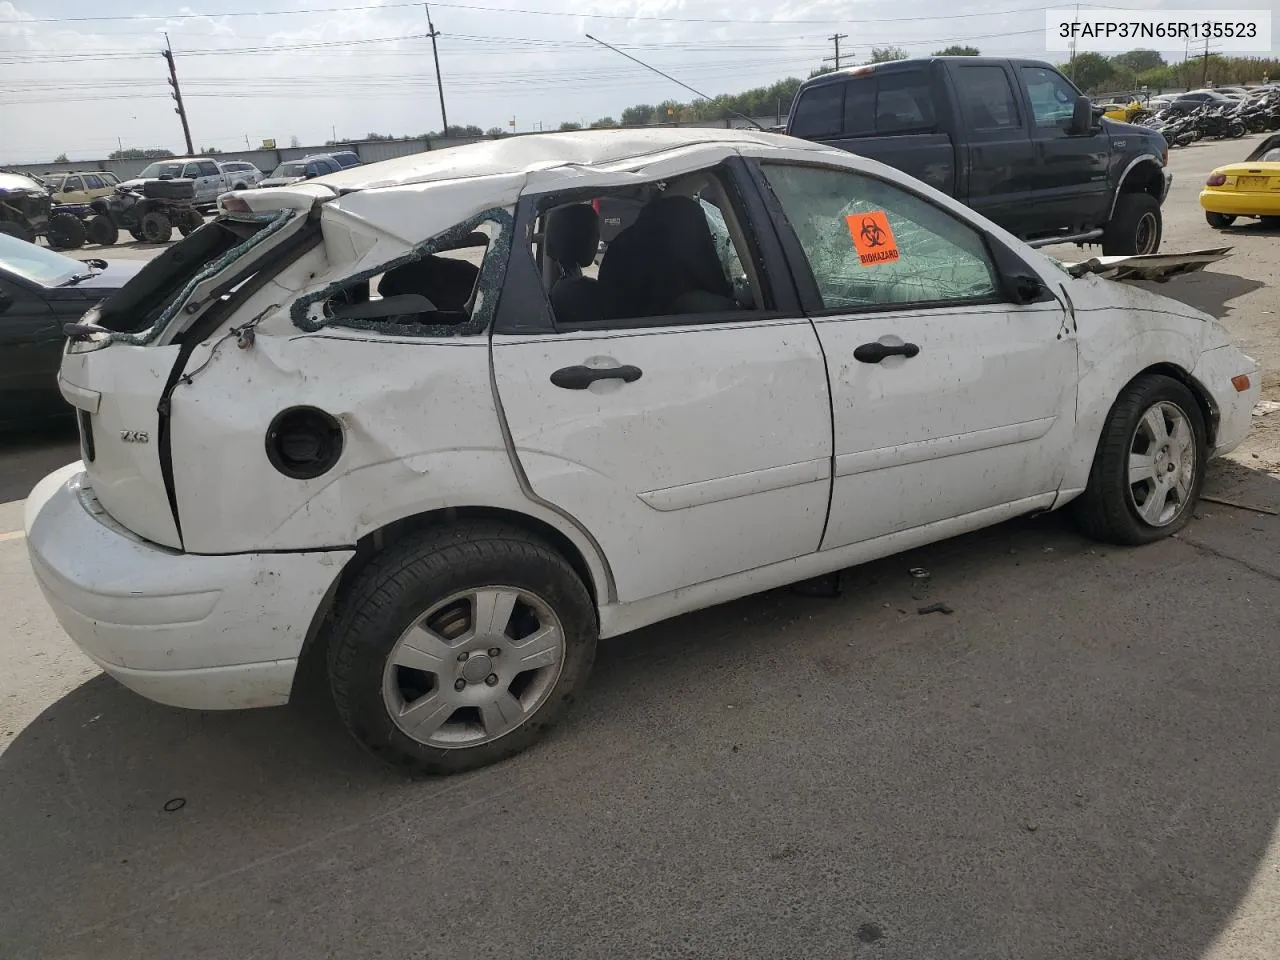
(638, 115)
(883, 54)
(604, 123)
(133, 153)
(819, 71)
(60, 158)
(1090, 71)
(1137, 61)
(569, 125)
(955, 50)
(496, 132)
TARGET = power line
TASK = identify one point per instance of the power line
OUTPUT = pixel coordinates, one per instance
(526, 12)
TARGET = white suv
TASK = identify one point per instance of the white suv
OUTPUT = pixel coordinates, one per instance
(390, 418)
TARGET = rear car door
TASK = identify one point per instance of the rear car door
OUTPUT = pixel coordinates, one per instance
(692, 443)
(1071, 189)
(948, 399)
(1000, 155)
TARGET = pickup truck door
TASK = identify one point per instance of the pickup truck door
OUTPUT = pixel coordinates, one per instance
(994, 144)
(948, 399)
(1070, 187)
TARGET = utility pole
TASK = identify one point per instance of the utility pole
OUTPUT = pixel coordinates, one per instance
(181, 111)
(1204, 73)
(444, 120)
(836, 38)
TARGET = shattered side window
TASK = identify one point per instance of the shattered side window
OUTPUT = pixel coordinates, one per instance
(870, 243)
(444, 287)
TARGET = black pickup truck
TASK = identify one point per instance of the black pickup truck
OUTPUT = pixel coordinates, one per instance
(1013, 139)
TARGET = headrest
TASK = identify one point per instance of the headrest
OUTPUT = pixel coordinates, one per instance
(573, 234)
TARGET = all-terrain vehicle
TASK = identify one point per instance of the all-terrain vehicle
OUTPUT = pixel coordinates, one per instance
(149, 212)
(27, 211)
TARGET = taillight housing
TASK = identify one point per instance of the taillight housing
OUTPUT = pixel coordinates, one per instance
(1216, 180)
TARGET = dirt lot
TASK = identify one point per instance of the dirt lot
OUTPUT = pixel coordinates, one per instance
(1079, 762)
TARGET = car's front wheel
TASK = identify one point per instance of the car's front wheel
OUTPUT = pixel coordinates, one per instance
(1135, 228)
(460, 648)
(1149, 466)
(1219, 221)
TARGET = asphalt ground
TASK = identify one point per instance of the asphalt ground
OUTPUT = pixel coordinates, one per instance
(1081, 761)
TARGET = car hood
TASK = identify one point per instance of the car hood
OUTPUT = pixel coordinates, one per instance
(279, 181)
(115, 276)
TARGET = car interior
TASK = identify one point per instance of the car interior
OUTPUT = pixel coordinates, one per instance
(682, 254)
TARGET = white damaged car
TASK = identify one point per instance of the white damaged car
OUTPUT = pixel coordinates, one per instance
(396, 418)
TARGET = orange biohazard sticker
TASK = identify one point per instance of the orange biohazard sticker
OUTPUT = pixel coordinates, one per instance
(872, 237)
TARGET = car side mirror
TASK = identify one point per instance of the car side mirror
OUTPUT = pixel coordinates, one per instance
(1024, 288)
(386, 308)
(1082, 116)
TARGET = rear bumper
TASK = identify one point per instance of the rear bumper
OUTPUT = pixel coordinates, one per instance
(1241, 204)
(202, 632)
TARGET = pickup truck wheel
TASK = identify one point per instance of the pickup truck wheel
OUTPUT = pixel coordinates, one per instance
(460, 649)
(1219, 221)
(102, 230)
(1149, 466)
(1135, 227)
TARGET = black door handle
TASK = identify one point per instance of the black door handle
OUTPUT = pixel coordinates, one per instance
(579, 378)
(875, 351)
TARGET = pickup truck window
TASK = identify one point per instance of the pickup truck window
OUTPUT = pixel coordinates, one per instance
(926, 256)
(208, 168)
(888, 103)
(986, 96)
(1052, 98)
(817, 113)
(190, 172)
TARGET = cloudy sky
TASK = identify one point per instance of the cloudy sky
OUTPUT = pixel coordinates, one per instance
(85, 76)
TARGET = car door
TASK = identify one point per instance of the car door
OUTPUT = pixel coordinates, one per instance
(95, 186)
(212, 182)
(1071, 188)
(691, 446)
(31, 341)
(72, 190)
(999, 150)
(948, 399)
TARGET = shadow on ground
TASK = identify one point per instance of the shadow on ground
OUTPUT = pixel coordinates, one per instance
(30, 455)
(1078, 761)
(1204, 290)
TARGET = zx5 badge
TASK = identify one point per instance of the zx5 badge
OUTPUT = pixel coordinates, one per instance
(134, 436)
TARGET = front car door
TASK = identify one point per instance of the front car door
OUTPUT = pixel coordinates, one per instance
(72, 190)
(1000, 153)
(1071, 190)
(212, 183)
(948, 398)
(692, 443)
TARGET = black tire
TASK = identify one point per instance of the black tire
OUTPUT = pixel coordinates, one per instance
(1108, 510)
(136, 234)
(1270, 223)
(102, 230)
(190, 222)
(65, 232)
(156, 228)
(1136, 224)
(400, 587)
(19, 230)
(240, 186)
(1219, 221)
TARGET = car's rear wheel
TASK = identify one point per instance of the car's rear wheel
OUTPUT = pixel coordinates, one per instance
(65, 231)
(1135, 227)
(102, 230)
(1219, 221)
(1149, 466)
(156, 228)
(461, 648)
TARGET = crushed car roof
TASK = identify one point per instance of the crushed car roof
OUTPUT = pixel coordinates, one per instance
(532, 152)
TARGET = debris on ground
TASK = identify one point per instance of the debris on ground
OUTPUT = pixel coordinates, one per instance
(935, 608)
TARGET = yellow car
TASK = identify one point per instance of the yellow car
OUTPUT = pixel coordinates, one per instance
(81, 187)
(1247, 189)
